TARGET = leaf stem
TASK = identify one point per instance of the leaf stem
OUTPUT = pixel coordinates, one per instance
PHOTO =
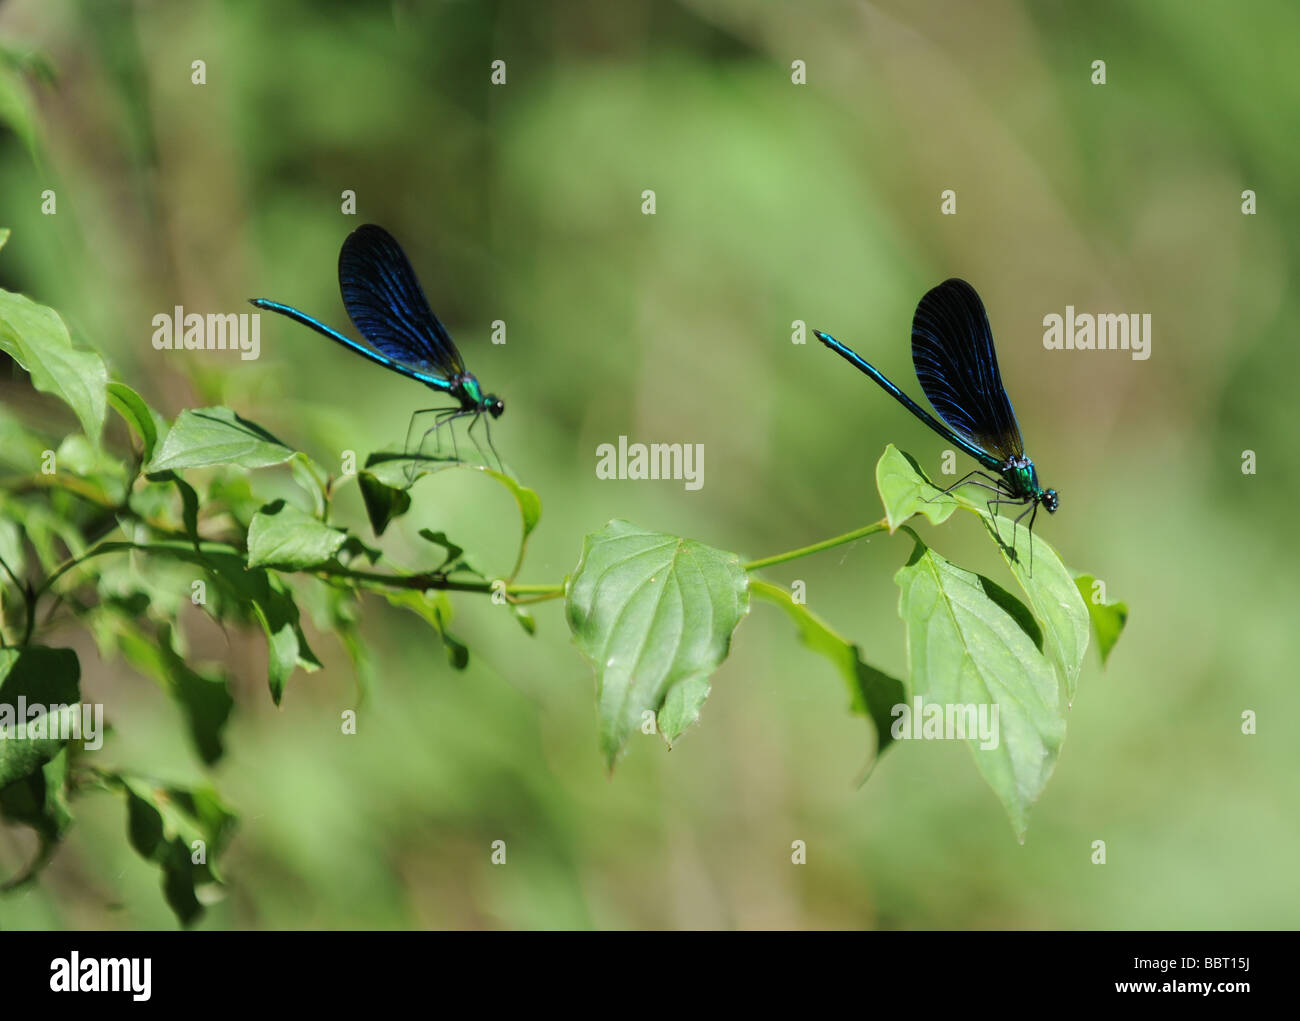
(817, 547)
(78, 487)
(434, 580)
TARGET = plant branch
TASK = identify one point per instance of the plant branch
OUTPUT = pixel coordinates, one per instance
(817, 547)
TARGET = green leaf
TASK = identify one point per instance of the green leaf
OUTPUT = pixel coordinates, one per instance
(654, 615)
(1052, 595)
(457, 651)
(252, 594)
(353, 549)
(906, 490)
(189, 507)
(454, 559)
(450, 549)
(78, 456)
(36, 676)
(1051, 590)
(46, 529)
(204, 699)
(38, 800)
(234, 493)
(172, 827)
(435, 609)
(37, 339)
(1108, 619)
(680, 709)
(311, 479)
(525, 618)
(383, 502)
(872, 693)
(390, 470)
(273, 606)
(965, 649)
(211, 436)
(284, 537)
(129, 404)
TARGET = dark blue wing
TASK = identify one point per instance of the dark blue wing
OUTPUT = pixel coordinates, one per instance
(385, 302)
(952, 351)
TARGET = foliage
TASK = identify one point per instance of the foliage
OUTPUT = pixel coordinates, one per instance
(133, 540)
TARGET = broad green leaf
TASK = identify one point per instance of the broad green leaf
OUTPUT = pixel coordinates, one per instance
(1053, 596)
(872, 693)
(964, 649)
(211, 436)
(284, 537)
(30, 677)
(383, 502)
(1052, 593)
(131, 406)
(172, 827)
(1108, 619)
(37, 339)
(204, 699)
(906, 490)
(391, 470)
(654, 615)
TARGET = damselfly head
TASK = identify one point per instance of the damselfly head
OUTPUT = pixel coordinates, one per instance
(494, 405)
(1050, 500)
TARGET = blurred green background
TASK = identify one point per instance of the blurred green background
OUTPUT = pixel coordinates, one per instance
(775, 202)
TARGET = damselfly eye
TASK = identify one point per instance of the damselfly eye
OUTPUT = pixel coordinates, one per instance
(496, 406)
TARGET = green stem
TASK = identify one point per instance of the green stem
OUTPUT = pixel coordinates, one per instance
(420, 582)
(79, 487)
(817, 547)
(101, 550)
(544, 593)
(435, 580)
